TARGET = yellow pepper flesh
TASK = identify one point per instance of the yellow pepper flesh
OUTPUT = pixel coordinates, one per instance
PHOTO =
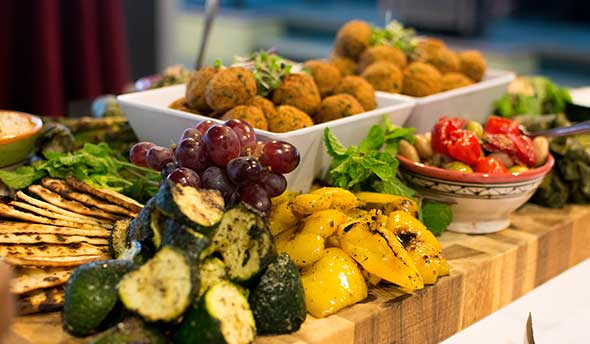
(324, 222)
(304, 248)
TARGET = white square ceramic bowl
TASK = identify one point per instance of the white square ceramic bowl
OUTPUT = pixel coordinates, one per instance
(152, 120)
(474, 102)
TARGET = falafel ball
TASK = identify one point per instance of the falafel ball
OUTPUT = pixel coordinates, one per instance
(298, 90)
(473, 64)
(289, 118)
(180, 104)
(451, 81)
(427, 48)
(338, 106)
(352, 39)
(382, 53)
(445, 60)
(267, 107)
(229, 88)
(250, 114)
(421, 79)
(384, 76)
(195, 88)
(359, 88)
(325, 75)
(345, 65)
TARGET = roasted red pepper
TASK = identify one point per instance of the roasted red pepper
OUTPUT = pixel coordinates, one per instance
(490, 165)
(441, 133)
(464, 146)
(519, 147)
(499, 125)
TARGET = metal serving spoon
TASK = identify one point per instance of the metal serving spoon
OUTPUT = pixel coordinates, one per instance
(211, 9)
(578, 128)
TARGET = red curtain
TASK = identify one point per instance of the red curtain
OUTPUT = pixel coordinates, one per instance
(56, 51)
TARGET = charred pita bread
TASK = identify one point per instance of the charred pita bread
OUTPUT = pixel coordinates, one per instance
(109, 195)
(62, 188)
(7, 227)
(27, 238)
(39, 251)
(43, 300)
(9, 211)
(45, 205)
(27, 279)
(77, 207)
(53, 261)
(57, 216)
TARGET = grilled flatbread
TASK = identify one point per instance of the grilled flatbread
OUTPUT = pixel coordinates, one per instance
(43, 300)
(7, 227)
(109, 195)
(9, 211)
(42, 204)
(62, 188)
(57, 216)
(77, 207)
(27, 238)
(39, 251)
(27, 279)
(53, 261)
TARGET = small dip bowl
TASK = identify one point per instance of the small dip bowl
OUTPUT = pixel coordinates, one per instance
(18, 133)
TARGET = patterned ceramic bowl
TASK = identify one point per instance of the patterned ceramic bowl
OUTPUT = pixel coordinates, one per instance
(481, 203)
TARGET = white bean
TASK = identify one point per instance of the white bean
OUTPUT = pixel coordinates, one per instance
(541, 145)
(504, 158)
(423, 146)
(408, 151)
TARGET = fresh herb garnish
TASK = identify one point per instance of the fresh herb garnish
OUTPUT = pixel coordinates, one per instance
(435, 216)
(96, 164)
(268, 68)
(395, 35)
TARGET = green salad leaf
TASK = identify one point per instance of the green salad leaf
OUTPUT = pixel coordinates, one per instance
(96, 164)
(396, 35)
(436, 216)
(268, 69)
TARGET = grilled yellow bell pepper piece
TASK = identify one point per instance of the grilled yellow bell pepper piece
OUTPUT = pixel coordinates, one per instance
(387, 203)
(341, 198)
(306, 204)
(421, 245)
(324, 222)
(304, 248)
(380, 253)
(281, 217)
(332, 283)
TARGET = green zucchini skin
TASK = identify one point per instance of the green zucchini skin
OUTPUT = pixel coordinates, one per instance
(91, 294)
(131, 330)
(140, 229)
(245, 242)
(118, 237)
(199, 209)
(278, 301)
(203, 322)
(159, 290)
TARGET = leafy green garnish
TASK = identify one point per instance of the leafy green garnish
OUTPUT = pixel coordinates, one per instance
(396, 35)
(268, 68)
(436, 216)
(372, 165)
(96, 164)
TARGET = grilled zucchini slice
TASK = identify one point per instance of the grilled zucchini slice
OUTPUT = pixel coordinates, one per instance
(131, 330)
(193, 243)
(197, 208)
(118, 237)
(91, 294)
(212, 271)
(245, 242)
(278, 301)
(222, 316)
(140, 228)
(160, 290)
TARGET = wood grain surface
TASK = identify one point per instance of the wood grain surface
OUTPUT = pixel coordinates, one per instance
(487, 272)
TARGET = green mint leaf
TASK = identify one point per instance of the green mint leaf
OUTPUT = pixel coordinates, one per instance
(436, 216)
(335, 148)
(374, 140)
(394, 187)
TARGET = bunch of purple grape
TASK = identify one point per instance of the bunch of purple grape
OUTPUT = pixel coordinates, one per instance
(224, 157)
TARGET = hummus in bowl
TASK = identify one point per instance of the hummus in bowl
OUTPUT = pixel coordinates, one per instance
(18, 132)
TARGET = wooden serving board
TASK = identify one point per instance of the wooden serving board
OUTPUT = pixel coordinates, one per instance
(487, 272)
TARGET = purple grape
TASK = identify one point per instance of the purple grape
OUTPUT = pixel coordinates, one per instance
(192, 133)
(191, 153)
(204, 126)
(281, 157)
(222, 144)
(216, 179)
(273, 183)
(256, 197)
(157, 157)
(185, 177)
(243, 170)
(138, 153)
(245, 133)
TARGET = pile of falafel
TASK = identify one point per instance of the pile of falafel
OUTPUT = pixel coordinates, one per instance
(431, 68)
(317, 94)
